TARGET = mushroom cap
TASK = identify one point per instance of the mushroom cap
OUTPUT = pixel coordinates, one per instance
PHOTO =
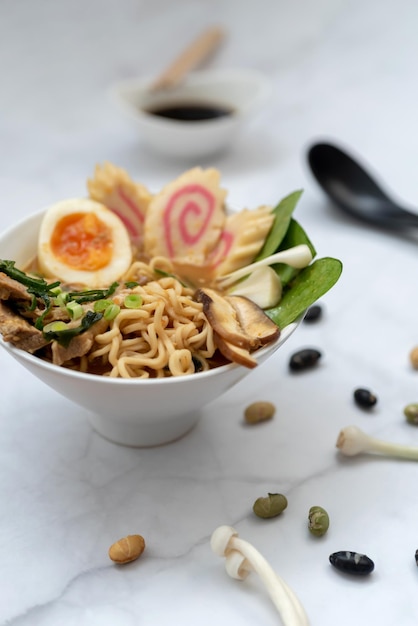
(221, 538)
(240, 325)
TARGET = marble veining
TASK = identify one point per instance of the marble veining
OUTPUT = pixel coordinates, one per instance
(342, 70)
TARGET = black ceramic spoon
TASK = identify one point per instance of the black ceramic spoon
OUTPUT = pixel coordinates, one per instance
(353, 190)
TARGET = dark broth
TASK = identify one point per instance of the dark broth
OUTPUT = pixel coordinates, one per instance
(191, 112)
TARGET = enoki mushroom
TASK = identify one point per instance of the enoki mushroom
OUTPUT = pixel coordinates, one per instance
(242, 558)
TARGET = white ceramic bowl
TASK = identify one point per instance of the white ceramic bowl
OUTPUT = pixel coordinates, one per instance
(129, 412)
(244, 92)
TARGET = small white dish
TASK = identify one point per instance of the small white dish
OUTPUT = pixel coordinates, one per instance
(127, 411)
(243, 92)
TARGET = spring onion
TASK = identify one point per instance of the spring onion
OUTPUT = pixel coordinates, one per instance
(74, 310)
(101, 305)
(37, 287)
(168, 275)
(133, 301)
(111, 312)
(62, 333)
(61, 299)
(54, 327)
(93, 294)
(352, 441)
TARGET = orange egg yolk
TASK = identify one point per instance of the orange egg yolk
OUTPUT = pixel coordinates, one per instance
(82, 241)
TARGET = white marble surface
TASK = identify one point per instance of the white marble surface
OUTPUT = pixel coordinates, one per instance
(342, 70)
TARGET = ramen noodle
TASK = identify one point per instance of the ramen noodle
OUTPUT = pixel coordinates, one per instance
(168, 335)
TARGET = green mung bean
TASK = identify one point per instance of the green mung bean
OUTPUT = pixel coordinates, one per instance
(271, 506)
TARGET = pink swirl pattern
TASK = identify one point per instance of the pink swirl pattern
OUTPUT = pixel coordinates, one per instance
(128, 212)
(222, 248)
(190, 201)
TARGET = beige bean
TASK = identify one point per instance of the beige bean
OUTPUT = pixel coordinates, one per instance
(259, 412)
(413, 357)
(127, 549)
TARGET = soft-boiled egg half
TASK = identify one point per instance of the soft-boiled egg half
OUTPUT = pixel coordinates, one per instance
(81, 241)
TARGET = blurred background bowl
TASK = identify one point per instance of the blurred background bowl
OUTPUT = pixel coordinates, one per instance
(241, 92)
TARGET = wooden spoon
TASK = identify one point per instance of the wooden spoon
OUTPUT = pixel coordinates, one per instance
(197, 52)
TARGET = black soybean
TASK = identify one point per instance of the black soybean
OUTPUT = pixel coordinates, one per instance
(313, 314)
(416, 557)
(304, 359)
(352, 563)
(364, 398)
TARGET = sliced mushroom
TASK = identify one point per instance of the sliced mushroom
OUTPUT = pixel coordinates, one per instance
(234, 353)
(255, 322)
(223, 318)
(239, 325)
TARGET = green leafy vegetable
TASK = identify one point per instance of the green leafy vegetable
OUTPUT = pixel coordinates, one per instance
(310, 284)
(64, 335)
(295, 236)
(283, 213)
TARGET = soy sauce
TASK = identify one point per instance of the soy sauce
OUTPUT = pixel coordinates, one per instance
(191, 112)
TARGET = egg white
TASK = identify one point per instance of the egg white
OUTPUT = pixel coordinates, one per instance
(51, 267)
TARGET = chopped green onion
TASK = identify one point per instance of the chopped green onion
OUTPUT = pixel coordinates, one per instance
(37, 286)
(54, 327)
(168, 275)
(61, 332)
(74, 310)
(39, 322)
(61, 299)
(111, 312)
(93, 294)
(133, 301)
(101, 305)
(131, 284)
(34, 303)
(56, 290)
